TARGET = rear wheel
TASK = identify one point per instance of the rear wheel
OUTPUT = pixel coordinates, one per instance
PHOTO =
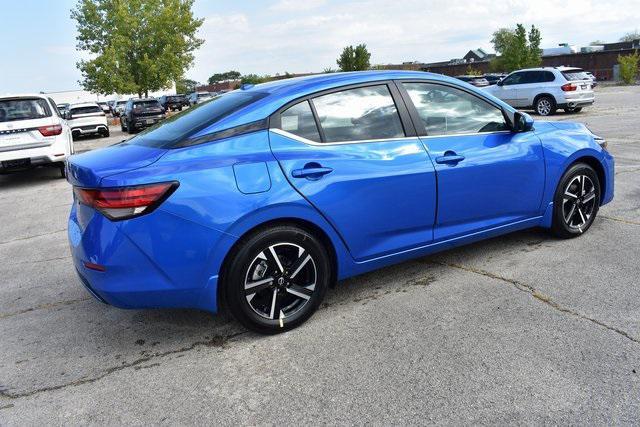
(545, 106)
(277, 279)
(130, 128)
(104, 133)
(576, 201)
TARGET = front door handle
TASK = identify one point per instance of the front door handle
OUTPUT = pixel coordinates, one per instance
(311, 172)
(449, 158)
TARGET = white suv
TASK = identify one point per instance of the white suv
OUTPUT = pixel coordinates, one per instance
(546, 89)
(32, 133)
(87, 119)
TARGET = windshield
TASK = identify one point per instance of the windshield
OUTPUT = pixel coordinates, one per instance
(23, 109)
(575, 74)
(175, 129)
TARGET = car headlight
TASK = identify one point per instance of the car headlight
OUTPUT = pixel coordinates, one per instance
(600, 140)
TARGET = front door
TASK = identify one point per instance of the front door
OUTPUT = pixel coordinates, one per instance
(487, 175)
(375, 185)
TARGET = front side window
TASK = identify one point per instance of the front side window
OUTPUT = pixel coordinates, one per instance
(364, 113)
(299, 120)
(445, 110)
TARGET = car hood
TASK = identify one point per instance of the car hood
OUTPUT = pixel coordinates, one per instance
(89, 169)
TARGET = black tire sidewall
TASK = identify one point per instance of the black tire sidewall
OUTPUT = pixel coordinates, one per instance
(559, 227)
(233, 282)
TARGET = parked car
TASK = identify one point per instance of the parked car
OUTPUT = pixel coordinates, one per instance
(105, 107)
(545, 89)
(198, 97)
(62, 109)
(87, 118)
(32, 133)
(141, 113)
(185, 99)
(119, 108)
(171, 102)
(262, 198)
(477, 81)
(593, 78)
(494, 78)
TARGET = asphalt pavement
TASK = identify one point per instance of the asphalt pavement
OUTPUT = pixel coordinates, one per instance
(523, 328)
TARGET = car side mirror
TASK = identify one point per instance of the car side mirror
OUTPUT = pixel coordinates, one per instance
(499, 83)
(522, 122)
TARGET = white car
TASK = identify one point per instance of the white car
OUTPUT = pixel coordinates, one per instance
(32, 133)
(199, 97)
(545, 89)
(87, 118)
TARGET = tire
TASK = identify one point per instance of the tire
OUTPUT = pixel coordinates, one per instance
(62, 168)
(122, 125)
(104, 133)
(572, 110)
(300, 273)
(545, 106)
(576, 201)
(75, 135)
(130, 129)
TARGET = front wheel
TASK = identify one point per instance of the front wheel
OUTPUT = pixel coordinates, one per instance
(277, 279)
(576, 201)
(545, 106)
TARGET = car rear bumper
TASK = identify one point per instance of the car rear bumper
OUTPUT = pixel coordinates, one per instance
(39, 154)
(89, 129)
(144, 260)
(143, 122)
(579, 100)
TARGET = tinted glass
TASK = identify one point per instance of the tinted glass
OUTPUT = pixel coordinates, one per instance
(178, 128)
(299, 121)
(146, 104)
(513, 79)
(576, 74)
(548, 76)
(446, 110)
(86, 110)
(358, 114)
(23, 109)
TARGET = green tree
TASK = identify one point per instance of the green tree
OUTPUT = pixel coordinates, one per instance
(328, 70)
(137, 46)
(629, 67)
(221, 77)
(472, 71)
(253, 79)
(631, 36)
(354, 58)
(596, 43)
(516, 49)
(186, 85)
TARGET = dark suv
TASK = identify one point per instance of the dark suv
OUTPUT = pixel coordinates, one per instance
(141, 113)
(172, 102)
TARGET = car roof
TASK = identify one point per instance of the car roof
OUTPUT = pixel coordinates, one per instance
(25, 95)
(84, 104)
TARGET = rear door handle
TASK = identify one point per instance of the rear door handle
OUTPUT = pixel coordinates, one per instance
(449, 158)
(311, 173)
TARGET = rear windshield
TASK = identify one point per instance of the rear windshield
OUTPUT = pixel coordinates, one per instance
(146, 104)
(173, 98)
(12, 110)
(86, 110)
(121, 102)
(178, 128)
(576, 74)
(202, 95)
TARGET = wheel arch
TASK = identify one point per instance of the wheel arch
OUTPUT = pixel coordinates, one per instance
(596, 165)
(540, 95)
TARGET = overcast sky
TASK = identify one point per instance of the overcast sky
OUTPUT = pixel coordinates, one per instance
(37, 51)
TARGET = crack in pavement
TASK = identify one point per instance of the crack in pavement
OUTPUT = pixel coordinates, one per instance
(624, 221)
(216, 341)
(43, 307)
(17, 239)
(545, 299)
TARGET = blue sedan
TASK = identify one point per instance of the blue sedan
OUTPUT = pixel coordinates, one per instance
(260, 199)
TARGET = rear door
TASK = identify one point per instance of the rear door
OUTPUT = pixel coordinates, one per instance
(508, 90)
(353, 154)
(487, 175)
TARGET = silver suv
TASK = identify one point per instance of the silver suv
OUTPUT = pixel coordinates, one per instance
(546, 89)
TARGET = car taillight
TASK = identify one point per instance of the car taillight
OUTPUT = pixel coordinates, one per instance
(50, 130)
(568, 87)
(125, 202)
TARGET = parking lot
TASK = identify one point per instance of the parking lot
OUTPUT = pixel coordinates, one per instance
(521, 328)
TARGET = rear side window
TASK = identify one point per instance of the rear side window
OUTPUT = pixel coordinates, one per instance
(16, 109)
(576, 74)
(86, 110)
(299, 120)
(176, 129)
(446, 110)
(358, 114)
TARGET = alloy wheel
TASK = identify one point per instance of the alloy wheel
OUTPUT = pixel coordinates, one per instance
(544, 107)
(280, 281)
(579, 202)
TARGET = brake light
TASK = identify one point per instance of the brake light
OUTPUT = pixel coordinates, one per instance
(50, 130)
(568, 87)
(126, 202)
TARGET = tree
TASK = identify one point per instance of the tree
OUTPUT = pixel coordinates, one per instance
(186, 86)
(629, 67)
(253, 79)
(629, 37)
(472, 71)
(137, 46)
(354, 58)
(328, 70)
(516, 48)
(223, 77)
